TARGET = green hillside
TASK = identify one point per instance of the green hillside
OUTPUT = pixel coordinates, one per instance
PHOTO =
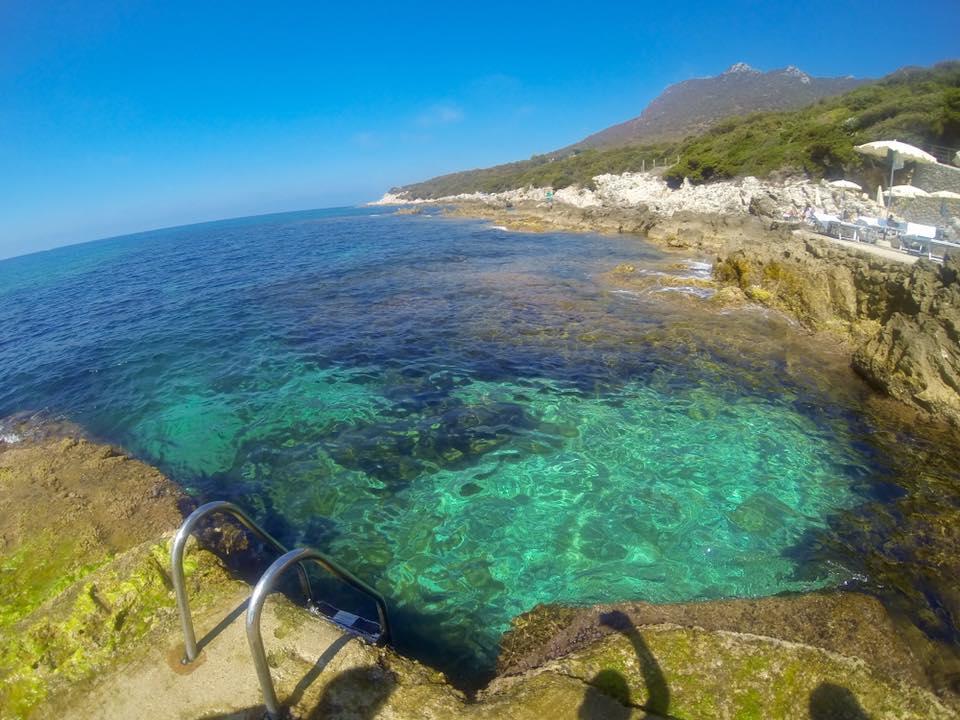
(578, 168)
(917, 105)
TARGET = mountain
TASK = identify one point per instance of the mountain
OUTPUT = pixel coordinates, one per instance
(691, 106)
(920, 106)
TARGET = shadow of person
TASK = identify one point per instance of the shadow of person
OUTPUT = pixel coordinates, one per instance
(833, 702)
(658, 693)
(607, 698)
(318, 667)
(358, 694)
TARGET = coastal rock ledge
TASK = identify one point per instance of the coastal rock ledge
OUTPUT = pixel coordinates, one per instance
(89, 630)
(916, 355)
(902, 321)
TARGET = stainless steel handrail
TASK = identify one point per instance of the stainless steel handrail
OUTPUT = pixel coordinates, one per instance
(255, 608)
(176, 564)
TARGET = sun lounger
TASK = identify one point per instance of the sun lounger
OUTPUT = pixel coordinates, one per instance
(847, 231)
(823, 222)
(920, 239)
(872, 229)
(916, 230)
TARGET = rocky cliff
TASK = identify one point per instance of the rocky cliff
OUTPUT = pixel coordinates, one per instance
(903, 322)
(916, 354)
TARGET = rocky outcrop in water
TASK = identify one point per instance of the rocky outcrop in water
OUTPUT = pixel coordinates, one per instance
(916, 354)
(900, 324)
(903, 321)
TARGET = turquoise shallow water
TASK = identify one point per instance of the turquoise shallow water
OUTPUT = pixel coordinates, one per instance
(473, 420)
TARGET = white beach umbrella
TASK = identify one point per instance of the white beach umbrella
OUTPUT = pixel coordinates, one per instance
(882, 148)
(880, 195)
(945, 194)
(897, 152)
(845, 185)
(956, 158)
(907, 191)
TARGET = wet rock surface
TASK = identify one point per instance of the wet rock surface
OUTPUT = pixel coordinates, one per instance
(902, 323)
(916, 354)
(846, 623)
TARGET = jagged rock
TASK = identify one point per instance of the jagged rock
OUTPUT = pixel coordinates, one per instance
(649, 194)
(906, 322)
(916, 355)
(763, 206)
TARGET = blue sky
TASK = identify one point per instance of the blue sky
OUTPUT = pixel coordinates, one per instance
(123, 116)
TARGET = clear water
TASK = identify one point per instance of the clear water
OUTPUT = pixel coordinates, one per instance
(473, 420)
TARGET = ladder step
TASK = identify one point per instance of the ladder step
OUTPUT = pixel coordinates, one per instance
(367, 629)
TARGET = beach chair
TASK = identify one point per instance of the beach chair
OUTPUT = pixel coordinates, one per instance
(824, 223)
(916, 239)
(871, 228)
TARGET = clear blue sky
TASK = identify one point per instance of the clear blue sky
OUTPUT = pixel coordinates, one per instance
(123, 116)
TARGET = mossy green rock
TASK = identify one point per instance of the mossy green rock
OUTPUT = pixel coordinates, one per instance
(694, 673)
(96, 622)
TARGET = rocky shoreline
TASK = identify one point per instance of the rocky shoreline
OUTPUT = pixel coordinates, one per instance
(899, 323)
(96, 635)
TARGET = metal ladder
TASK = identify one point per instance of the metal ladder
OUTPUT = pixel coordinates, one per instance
(375, 632)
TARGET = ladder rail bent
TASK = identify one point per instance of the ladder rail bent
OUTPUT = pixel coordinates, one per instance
(259, 596)
(176, 564)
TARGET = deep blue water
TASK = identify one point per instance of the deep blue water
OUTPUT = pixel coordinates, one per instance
(473, 420)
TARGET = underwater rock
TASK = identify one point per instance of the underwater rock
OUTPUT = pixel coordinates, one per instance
(396, 452)
(761, 514)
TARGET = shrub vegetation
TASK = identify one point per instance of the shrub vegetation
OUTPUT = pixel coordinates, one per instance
(917, 106)
(920, 106)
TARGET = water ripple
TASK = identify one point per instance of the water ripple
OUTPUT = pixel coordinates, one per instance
(466, 418)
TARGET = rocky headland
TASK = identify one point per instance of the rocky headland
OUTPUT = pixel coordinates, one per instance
(899, 318)
(89, 630)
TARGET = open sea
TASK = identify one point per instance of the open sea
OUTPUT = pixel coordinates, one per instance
(473, 420)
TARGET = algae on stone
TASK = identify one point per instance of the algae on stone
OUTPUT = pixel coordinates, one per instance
(694, 673)
(93, 624)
